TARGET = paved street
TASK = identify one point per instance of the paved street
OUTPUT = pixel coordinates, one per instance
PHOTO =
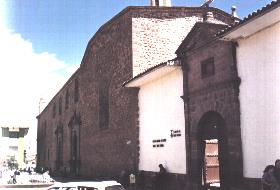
(24, 179)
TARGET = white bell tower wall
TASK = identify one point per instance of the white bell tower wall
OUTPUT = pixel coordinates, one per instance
(164, 3)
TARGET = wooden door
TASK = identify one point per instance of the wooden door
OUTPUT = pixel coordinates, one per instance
(211, 167)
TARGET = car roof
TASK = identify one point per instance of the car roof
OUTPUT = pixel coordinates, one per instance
(97, 184)
(94, 183)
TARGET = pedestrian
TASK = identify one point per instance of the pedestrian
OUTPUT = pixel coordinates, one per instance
(277, 171)
(14, 177)
(268, 179)
(161, 178)
(124, 179)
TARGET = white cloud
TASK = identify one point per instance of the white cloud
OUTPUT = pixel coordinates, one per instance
(25, 77)
(3, 13)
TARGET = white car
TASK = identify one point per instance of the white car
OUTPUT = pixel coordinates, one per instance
(87, 185)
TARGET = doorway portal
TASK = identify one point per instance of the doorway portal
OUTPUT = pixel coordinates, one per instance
(213, 151)
(211, 168)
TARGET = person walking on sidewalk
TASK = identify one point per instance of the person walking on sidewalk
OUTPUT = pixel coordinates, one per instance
(268, 179)
(277, 172)
(161, 178)
(15, 177)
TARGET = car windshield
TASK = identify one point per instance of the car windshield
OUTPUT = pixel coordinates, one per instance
(114, 187)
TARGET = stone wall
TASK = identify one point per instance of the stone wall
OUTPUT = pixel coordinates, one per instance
(104, 150)
(156, 40)
(214, 94)
(105, 115)
(109, 64)
(156, 35)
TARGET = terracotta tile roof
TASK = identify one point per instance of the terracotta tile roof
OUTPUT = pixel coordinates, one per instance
(255, 14)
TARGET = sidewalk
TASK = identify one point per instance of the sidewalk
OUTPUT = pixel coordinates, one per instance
(25, 180)
(36, 185)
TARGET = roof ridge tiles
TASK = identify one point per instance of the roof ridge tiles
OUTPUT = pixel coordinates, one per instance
(272, 4)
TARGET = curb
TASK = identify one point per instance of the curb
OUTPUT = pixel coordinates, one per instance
(26, 185)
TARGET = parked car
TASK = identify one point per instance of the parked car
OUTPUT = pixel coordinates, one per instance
(87, 185)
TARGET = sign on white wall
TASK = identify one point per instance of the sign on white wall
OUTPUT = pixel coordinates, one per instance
(162, 124)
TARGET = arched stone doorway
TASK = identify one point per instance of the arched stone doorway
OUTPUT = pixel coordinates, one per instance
(213, 151)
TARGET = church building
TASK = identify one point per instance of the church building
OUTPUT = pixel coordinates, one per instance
(216, 74)
(189, 106)
(164, 85)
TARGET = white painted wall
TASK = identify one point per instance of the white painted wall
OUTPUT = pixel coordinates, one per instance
(259, 68)
(161, 109)
(5, 143)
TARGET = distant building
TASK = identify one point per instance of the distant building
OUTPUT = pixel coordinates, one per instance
(12, 144)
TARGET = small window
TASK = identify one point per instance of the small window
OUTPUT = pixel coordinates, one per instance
(13, 134)
(76, 93)
(67, 99)
(45, 128)
(103, 108)
(13, 148)
(5, 132)
(48, 154)
(60, 106)
(54, 110)
(207, 68)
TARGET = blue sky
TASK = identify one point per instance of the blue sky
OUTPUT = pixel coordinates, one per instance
(64, 27)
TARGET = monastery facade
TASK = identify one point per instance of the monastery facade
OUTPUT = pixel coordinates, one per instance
(162, 85)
